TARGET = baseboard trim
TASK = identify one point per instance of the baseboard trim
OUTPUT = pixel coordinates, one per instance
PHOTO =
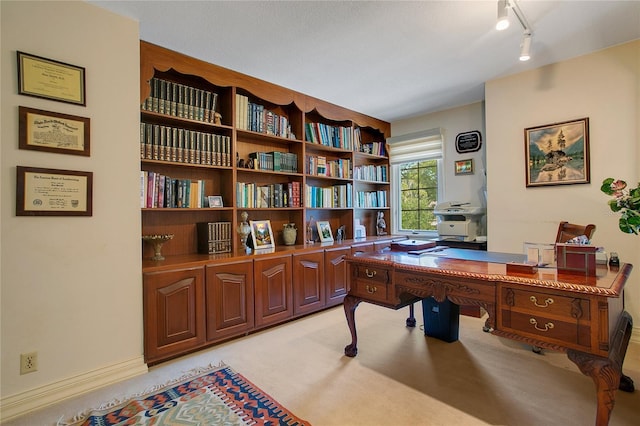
(17, 405)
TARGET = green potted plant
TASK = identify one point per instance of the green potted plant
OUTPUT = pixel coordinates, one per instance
(626, 201)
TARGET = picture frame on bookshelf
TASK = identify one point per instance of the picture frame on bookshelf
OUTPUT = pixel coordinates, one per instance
(215, 201)
(324, 231)
(262, 234)
(48, 131)
(49, 79)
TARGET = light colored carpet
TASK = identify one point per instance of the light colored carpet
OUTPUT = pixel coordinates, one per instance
(400, 377)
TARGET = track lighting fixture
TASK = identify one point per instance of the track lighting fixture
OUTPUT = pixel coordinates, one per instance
(503, 15)
(525, 46)
(503, 23)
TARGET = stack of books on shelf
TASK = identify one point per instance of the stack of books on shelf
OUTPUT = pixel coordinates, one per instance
(275, 195)
(276, 161)
(214, 237)
(371, 199)
(319, 166)
(332, 136)
(336, 196)
(371, 172)
(181, 101)
(256, 118)
(160, 191)
(374, 148)
(165, 143)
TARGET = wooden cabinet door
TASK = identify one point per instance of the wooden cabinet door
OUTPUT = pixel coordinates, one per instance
(174, 320)
(229, 299)
(273, 290)
(336, 282)
(308, 282)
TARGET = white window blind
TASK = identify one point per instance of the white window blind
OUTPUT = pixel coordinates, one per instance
(417, 146)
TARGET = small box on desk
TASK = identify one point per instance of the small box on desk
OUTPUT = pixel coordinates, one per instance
(576, 258)
(412, 245)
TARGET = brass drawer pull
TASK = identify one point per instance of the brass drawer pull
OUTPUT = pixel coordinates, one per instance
(548, 301)
(370, 274)
(548, 326)
(371, 289)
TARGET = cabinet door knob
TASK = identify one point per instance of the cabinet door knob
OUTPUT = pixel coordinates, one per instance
(548, 326)
(370, 274)
(371, 289)
(548, 301)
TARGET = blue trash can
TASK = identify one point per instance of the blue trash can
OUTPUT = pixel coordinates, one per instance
(441, 320)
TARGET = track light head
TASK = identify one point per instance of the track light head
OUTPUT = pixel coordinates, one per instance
(525, 46)
(503, 15)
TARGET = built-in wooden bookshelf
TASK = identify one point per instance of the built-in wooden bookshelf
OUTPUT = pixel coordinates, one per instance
(213, 131)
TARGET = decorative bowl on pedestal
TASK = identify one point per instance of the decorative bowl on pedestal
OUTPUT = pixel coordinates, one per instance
(157, 241)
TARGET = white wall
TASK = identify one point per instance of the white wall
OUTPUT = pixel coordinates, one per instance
(71, 287)
(602, 86)
(465, 188)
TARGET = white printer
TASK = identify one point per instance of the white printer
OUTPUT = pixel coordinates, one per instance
(458, 221)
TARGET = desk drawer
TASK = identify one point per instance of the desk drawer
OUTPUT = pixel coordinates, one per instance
(372, 283)
(549, 329)
(570, 309)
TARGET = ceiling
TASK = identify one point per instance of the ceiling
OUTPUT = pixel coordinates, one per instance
(388, 59)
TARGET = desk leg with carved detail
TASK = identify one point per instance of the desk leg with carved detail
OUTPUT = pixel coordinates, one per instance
(606, 373)
(350, 304)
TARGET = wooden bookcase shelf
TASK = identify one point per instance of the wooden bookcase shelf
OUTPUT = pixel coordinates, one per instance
(210, 131)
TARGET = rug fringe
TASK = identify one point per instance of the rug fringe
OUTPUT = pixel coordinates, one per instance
(190, 374)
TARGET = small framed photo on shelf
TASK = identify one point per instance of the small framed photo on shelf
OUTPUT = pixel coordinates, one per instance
(324, 231)
(215, 201)
(464, 167)
(262, 234)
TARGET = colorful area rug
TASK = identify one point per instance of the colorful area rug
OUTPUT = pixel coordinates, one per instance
(211, 396)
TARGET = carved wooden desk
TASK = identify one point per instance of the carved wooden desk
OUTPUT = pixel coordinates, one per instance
(580, 315)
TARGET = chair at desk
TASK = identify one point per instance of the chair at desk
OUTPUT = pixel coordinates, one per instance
(567, 231)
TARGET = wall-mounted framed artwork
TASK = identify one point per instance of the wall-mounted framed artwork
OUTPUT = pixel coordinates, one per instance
(45, 78)
(557, 154)
(262, 234)
(464, 167)
(52, 192)
(53, 132)
(324, 231)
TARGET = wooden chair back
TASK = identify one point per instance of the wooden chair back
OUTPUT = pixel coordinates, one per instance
(567, 231)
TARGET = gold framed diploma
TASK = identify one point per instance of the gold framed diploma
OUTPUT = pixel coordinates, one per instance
(49, 79)
(53, 132)
(51, 192)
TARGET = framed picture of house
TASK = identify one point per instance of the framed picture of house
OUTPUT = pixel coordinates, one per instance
(557, 154)
(324, 231)
(262, 234)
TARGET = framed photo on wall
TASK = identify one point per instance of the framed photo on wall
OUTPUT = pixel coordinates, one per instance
(557, 154)
(324, 231)
(262, 234)
(464, 167)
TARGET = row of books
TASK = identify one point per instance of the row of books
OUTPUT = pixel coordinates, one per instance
(336, 196)
(275, 160)
(165, 143)
(214, 237)
(331, 136)
(375, 148)
(371, 172)
(181, 101)
(320, 166)
(253, 195)
(160, 191)
(256, 118)
(368, 199)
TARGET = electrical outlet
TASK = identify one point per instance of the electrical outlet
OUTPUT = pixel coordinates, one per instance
(28, 362)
